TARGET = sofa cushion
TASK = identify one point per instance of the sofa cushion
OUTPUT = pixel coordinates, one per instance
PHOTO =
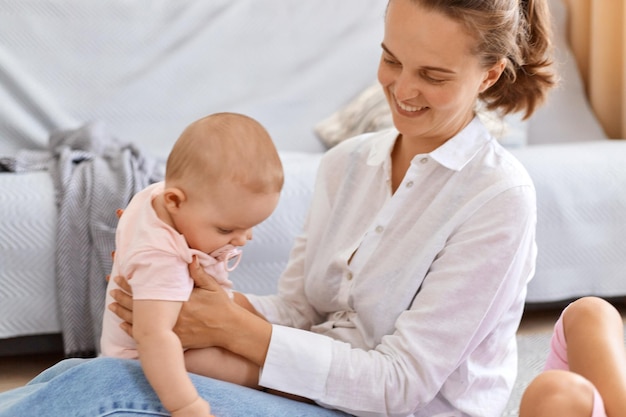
(147, 69)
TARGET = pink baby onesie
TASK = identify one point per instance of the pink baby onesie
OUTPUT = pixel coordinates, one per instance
(557, 359)
(154, 257)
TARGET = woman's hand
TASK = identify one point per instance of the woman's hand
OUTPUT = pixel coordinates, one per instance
(234, 326)
(208, 310)
(123, 306)
(193, 327)
(209, 318)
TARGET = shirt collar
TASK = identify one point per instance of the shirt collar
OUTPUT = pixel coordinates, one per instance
(381, 148)
(454, 154)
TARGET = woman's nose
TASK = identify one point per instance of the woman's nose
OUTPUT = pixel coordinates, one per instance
(405, 87)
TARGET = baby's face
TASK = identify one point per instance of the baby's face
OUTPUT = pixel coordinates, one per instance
(224, 217)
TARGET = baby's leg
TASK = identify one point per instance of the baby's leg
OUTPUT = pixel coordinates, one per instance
(585, 372)
(222, 364)
(557, 356)
(594, 331)
(557, 392)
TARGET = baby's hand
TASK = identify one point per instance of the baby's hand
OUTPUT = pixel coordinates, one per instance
(198, 408)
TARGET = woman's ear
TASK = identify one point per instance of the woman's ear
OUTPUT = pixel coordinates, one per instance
(173, 197)
(492, 75)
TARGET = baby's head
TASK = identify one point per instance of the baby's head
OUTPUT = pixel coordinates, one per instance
(223, 176)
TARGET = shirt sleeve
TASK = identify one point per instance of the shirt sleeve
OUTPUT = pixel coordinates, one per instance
(290, 306)
(288, 346)
(158, 275)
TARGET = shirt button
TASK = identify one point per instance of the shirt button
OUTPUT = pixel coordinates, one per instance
(423, 160)
(349, 276)
(409, 184)
(379, 229)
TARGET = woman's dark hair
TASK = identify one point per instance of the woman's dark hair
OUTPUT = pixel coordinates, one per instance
(518, 31)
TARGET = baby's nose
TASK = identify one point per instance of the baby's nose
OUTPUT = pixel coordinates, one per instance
(239, 240)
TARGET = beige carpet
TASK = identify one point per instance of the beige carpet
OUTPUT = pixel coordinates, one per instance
(532, 350)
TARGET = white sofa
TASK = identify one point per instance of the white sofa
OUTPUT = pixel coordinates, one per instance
(146, 69)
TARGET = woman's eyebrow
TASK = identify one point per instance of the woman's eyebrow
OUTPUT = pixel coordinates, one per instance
(382, 45)
(428, 68)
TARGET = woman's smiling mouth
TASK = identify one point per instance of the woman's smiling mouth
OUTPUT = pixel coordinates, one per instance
(408, 108)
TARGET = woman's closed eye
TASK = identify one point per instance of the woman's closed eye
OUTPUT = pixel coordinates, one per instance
(390, 61)
(433, 80)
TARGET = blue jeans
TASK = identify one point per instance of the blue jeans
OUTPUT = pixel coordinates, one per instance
(117, 387)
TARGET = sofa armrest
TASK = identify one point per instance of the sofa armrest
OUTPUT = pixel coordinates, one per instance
(581, 219)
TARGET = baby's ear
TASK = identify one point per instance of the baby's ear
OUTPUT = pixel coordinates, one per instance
(173, 197)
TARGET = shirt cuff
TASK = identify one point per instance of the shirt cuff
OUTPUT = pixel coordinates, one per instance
(297, 362)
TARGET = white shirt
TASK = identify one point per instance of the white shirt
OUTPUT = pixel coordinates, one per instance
(422, 320)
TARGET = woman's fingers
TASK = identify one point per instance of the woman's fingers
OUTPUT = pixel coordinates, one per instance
(206, 306)
(123, 305)
(127, 327)
(200, 276)
(123, 284)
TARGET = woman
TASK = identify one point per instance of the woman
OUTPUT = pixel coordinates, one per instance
(404, 292)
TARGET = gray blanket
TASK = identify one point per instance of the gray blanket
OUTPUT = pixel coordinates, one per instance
(94, 175)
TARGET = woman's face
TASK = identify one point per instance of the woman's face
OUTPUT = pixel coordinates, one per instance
(429, 74)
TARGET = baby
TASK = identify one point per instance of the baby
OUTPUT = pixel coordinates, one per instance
(223, 177)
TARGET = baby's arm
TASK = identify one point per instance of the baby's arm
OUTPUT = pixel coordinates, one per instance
(227, 366)
(162, 359)
(222, 364)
